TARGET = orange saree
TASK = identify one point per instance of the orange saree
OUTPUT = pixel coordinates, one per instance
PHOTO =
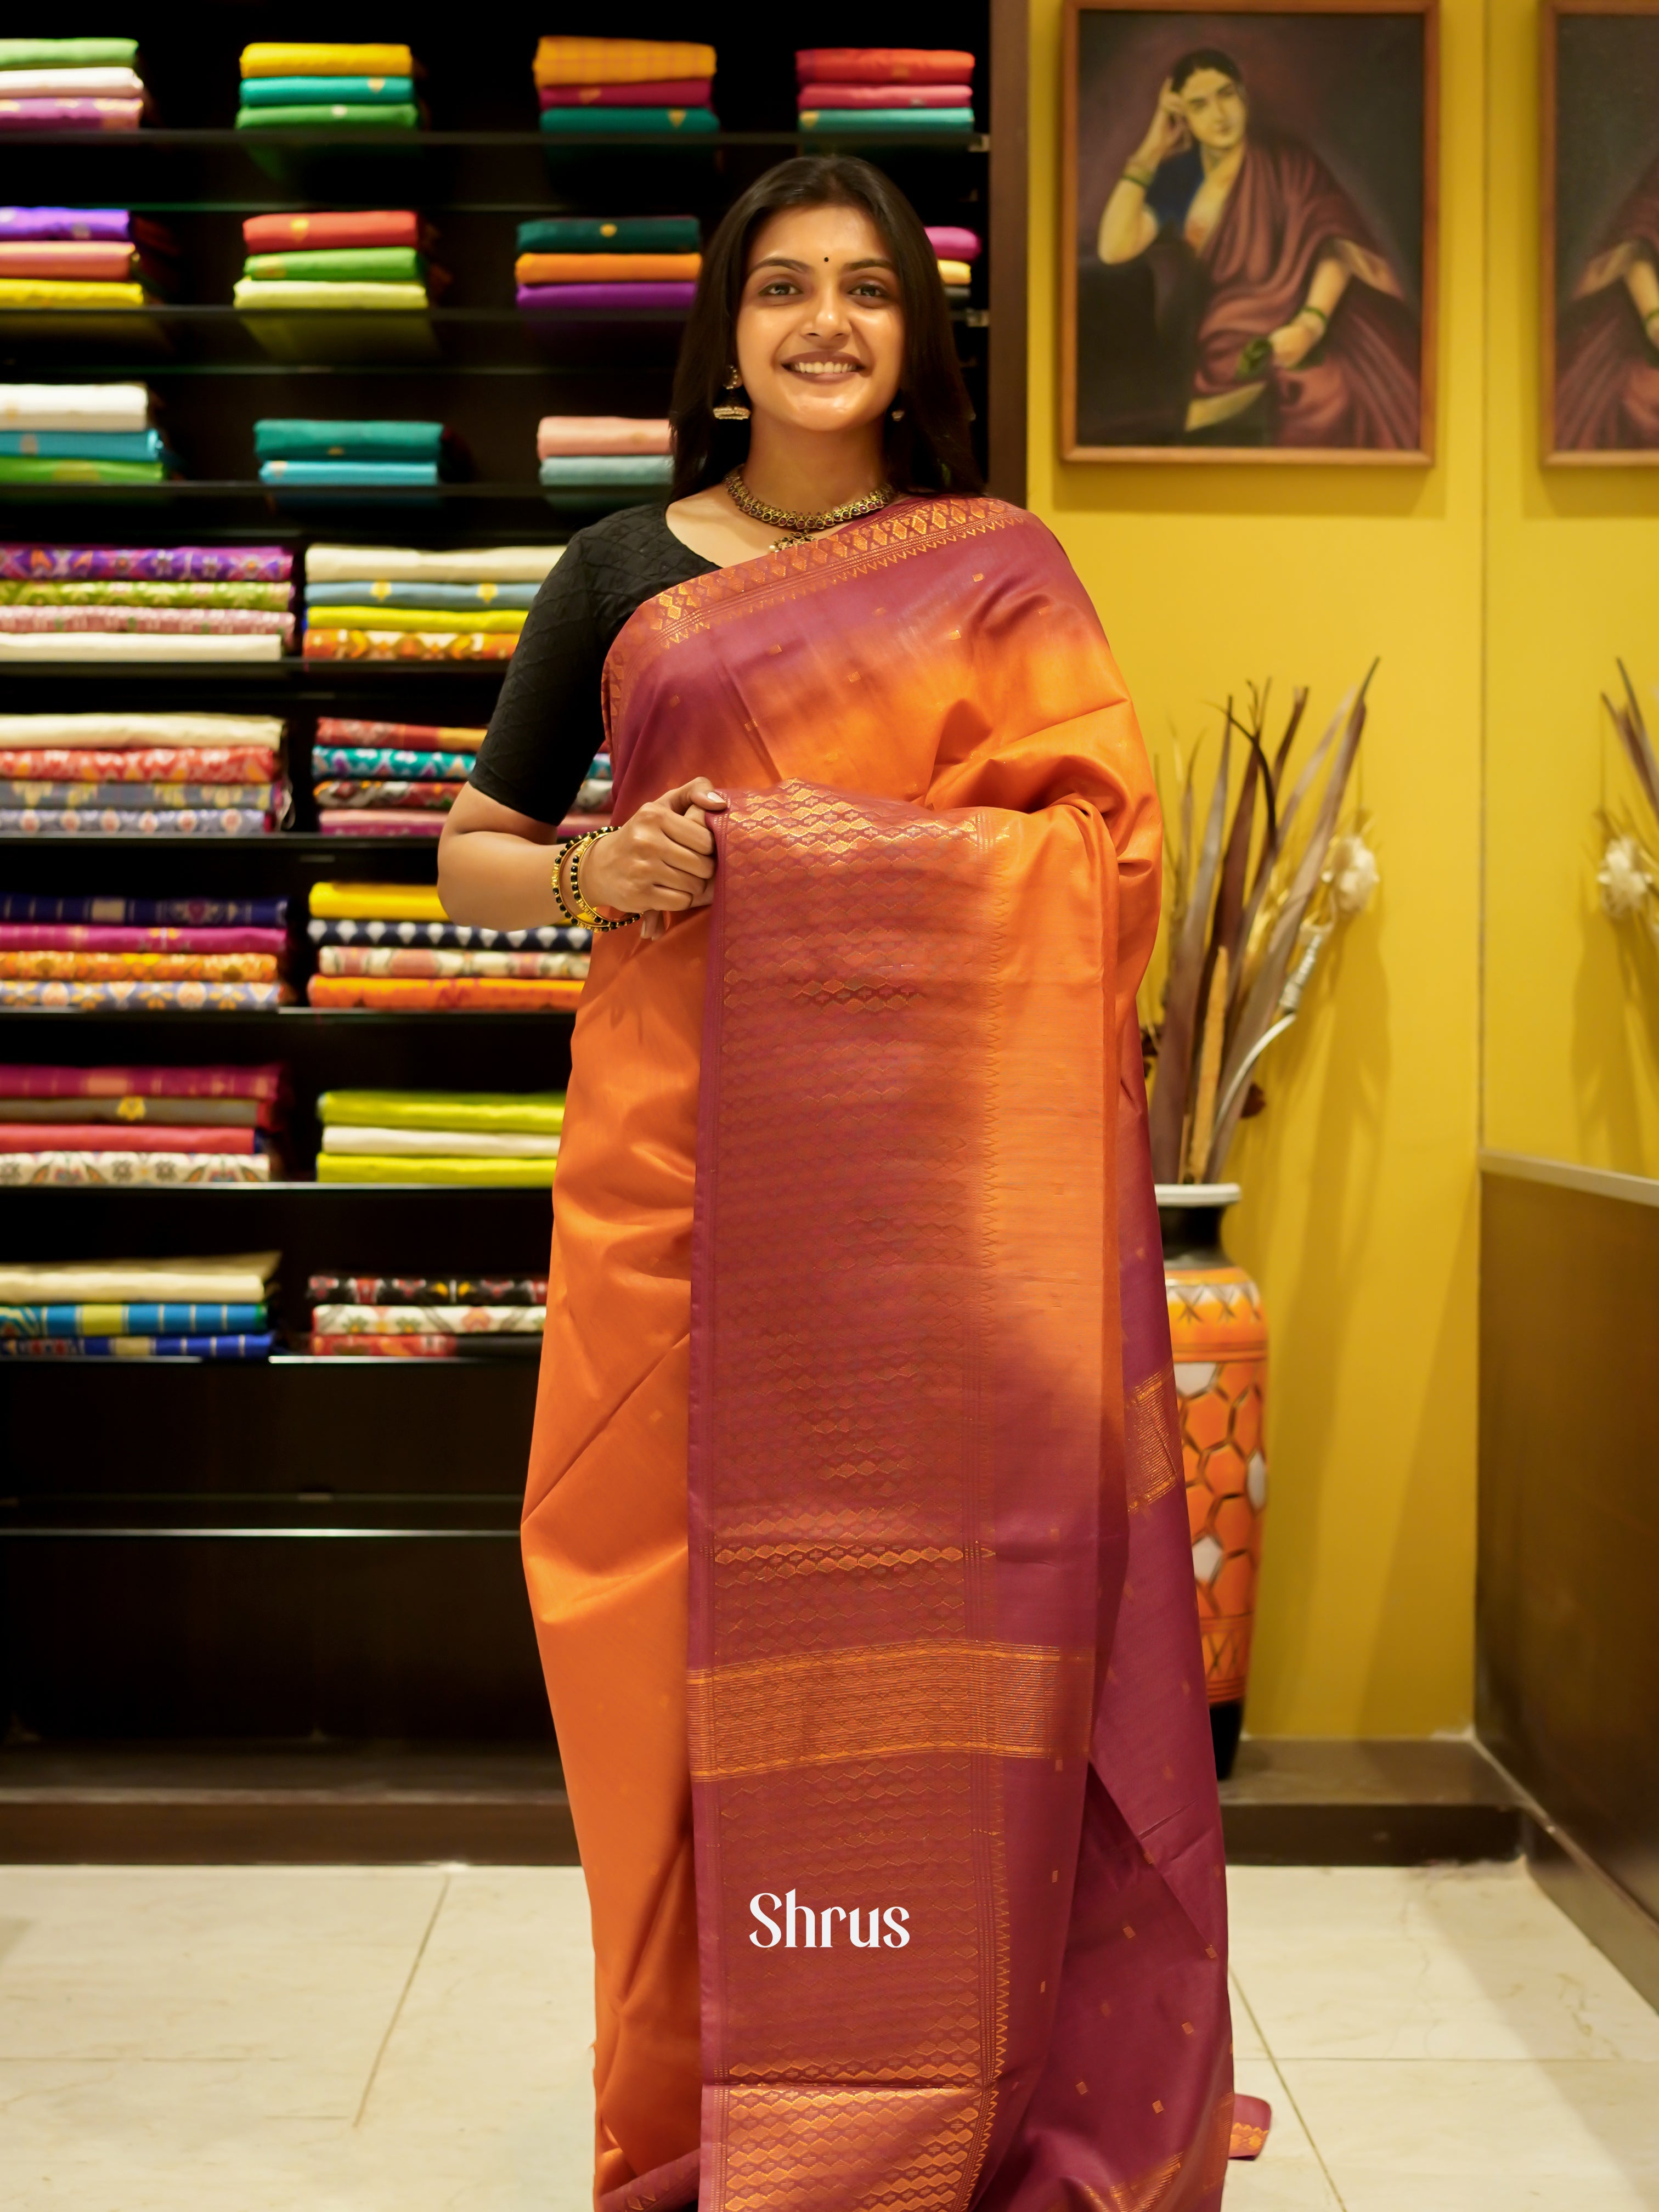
(855, 1532)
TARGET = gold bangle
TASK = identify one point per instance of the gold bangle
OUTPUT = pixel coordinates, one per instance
(588, 915)
(559, 859)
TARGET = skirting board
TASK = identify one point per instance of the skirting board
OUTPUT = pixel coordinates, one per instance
(1288, 1804)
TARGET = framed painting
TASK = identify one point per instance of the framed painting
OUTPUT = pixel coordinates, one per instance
(1600, 197)
(1250, 231)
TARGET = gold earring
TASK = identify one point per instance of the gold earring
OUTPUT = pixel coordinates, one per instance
(898, 415)
(734, 411)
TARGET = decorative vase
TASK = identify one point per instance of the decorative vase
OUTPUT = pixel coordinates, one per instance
(1218, 1334)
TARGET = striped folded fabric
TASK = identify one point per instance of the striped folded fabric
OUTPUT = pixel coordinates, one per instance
(193, 765)
(420, 792)
(431, 961)
(446, 936)
(148, 998)
(427, 1290)
(884, 91)
(445, 994)
(134, 821)
(428, 1320)
(60, 792)
(106, 1137)
(383, 644)
(20, 1170)
(240, 1346)
(120, 937)
(390, 764)
(116, 1319)
(331, 86)
(144, 967)
(345, 1347)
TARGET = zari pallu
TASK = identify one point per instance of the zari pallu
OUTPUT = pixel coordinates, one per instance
(893, 1783)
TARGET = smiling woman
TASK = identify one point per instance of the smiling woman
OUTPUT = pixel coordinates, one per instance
(853, 1463)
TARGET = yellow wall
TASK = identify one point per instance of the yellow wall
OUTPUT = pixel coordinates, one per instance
(1571, 1001)
(1360, 1218)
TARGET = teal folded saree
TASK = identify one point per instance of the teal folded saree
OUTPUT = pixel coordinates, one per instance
(281, 438)
(629, 122)
(325, 91)
(615, 233)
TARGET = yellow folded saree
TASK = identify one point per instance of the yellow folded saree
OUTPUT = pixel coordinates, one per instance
(269, 58)
(332, 902)
(503, 620)
(385, 1167)
(620, 60)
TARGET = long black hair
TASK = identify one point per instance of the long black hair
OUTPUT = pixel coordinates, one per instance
(930, 449)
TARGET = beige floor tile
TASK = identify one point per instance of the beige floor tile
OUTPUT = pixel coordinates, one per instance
(1454, 1963)
(1484, 2136)
(1287, 2177)
(285, 1979)
(1247, 2036)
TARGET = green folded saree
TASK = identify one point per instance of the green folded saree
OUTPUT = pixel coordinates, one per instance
(343, 115)
(386, 1167)
(67, 53)
(21, 468)
(443, 1109)
(342, 265)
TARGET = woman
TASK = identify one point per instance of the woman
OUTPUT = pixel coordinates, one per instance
(1606, 346)
(1302, 329)
(892, 1786)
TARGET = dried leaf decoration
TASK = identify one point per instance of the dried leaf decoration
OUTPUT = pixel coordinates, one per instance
(1244, 941)
(1628, 878)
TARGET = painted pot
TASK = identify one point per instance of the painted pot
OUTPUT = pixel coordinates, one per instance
(1219, 1334)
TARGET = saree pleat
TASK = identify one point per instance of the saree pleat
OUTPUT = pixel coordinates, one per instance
(854, 1533)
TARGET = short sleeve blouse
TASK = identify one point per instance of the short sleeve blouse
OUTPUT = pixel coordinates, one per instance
(547, 723)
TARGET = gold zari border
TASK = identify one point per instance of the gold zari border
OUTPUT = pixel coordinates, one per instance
(1002, 1701)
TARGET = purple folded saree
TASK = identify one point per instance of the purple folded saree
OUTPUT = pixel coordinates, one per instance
(66, 114)
(104, 226)
(245, 564)
(667, 298)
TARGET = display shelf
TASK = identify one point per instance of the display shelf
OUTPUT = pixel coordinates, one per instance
(343, 1561)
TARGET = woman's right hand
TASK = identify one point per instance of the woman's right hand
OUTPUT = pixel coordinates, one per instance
(660, 861)
(1166, 134)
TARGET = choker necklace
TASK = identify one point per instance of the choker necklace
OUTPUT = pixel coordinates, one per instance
(800, 527)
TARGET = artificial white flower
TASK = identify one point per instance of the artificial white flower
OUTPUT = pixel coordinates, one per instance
(1352, 873)
(1624, 877)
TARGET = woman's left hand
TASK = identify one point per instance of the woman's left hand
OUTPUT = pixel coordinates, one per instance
(1292, 343)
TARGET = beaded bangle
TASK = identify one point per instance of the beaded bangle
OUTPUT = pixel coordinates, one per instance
(589, 917)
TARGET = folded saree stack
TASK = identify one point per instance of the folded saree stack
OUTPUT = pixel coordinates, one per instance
(491, 1139)
(174, 1308)
(395, 603)
(329, 87)
(391, 946)
(310, 455)
(369, 260)
(390, 778)
(625, 455)
(884, 92)
(633, 88)
(70, 84)
(55, 257)
(602, 264)
(142, 955)
(80, 433)
(129, 1126)
(141, 775)
(427, 1317)
(146, 602)
(957, 250)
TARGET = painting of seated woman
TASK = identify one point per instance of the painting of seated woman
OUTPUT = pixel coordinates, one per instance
(1252, 258)
(1602, 282)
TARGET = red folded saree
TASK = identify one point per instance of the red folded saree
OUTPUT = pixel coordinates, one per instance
(883, 65)
(854, 1531)
(281, 233)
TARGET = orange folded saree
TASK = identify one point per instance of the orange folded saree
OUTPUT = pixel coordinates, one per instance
(854, 1531)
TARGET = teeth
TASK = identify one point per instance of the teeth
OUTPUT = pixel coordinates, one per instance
(822, 368)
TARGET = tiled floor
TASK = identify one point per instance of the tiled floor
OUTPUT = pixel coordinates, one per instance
(412, 2040)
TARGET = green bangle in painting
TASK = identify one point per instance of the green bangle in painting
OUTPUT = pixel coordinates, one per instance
(1324, 319)
(1134, 177)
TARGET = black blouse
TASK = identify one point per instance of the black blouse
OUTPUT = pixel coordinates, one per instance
(548, 725)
